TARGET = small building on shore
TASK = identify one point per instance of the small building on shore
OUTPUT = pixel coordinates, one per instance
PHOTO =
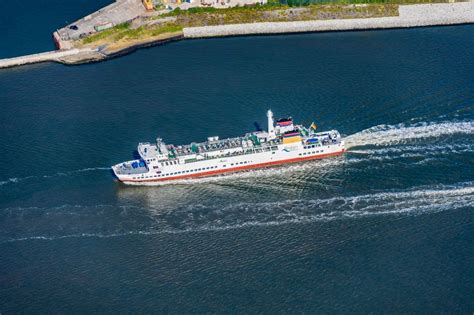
(148, 4)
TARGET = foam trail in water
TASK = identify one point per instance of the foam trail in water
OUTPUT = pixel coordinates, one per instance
(198, 218)
(444, 148)
(400, 134)
(88, 169)
(385, 203)
(66, 173)
(427, 153)
(14, 180)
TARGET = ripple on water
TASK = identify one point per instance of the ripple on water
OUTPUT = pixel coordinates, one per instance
(197, 217)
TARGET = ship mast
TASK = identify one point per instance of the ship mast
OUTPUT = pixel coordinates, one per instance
(271, 127)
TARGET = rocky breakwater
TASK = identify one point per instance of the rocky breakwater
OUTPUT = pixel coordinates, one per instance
(409, 16)
(64, 56)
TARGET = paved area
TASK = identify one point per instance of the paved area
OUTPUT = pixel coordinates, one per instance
(116, 13)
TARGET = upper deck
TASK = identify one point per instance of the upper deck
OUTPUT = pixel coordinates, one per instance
(284, 132)
(239, 145)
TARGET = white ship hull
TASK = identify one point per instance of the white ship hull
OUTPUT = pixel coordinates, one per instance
(283, 143)
(284, 154)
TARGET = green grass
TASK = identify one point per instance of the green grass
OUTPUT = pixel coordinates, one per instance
(281, 4)
(271, 5)
(124, 32)
(278, 13)
(171, 28)
(296, 3)
(104, 34)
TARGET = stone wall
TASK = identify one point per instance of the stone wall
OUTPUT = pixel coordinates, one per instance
(409, 16)
(43, 57)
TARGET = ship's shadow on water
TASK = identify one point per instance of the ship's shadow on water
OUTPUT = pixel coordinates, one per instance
(136, 155)
(257, 126)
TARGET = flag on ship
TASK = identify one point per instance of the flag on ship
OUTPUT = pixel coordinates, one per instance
(313, 126)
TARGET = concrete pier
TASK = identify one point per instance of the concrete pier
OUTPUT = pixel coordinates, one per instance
(409, 16)
(58, 56)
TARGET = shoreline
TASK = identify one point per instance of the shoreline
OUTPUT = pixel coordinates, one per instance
(410, 16)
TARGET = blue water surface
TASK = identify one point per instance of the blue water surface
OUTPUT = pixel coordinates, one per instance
(27, 26)
(385, 228)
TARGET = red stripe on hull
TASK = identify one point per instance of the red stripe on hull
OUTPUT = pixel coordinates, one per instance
(236, 169)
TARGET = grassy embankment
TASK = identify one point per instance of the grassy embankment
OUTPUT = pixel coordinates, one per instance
(309, 2)
(124, 35)
(278, 13)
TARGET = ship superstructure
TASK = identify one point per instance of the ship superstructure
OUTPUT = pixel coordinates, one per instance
(283, 142)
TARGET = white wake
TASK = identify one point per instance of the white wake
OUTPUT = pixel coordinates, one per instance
(202, 218)
(383, 135)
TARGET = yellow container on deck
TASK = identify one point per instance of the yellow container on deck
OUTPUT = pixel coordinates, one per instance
(291, 139)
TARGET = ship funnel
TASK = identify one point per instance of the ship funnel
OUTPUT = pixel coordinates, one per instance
(271, 127)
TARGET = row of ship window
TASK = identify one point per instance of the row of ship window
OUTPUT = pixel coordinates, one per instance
(180, 172)
(311, 146)
(244, 162)
(308, 153)
(190, 171)
(169, 163)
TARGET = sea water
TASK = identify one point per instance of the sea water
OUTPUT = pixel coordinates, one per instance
(387, 227)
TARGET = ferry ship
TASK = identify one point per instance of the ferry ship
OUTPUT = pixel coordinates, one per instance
(284, 142)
